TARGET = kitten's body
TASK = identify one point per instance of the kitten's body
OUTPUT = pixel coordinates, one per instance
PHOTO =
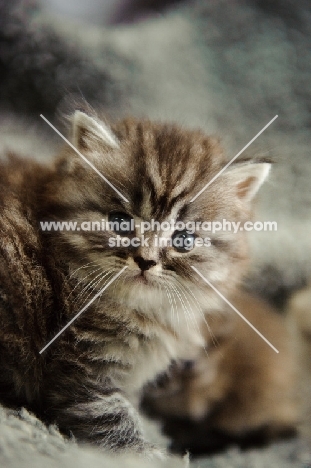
(86, 380)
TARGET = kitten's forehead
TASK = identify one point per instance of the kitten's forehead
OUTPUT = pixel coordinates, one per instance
(170, 165)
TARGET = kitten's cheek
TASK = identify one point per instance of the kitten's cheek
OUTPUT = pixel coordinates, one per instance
(207, 242)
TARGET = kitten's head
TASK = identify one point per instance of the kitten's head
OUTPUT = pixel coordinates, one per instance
(156, 171)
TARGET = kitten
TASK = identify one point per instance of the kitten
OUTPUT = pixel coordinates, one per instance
(239, 391)
(88, 380)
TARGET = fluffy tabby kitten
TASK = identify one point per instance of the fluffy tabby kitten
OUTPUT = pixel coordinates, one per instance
(88, 380)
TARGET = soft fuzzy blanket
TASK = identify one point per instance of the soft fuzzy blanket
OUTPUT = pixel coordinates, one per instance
(227, 67)
(25, 442)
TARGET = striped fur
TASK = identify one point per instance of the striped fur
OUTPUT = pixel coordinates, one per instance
(88, 381)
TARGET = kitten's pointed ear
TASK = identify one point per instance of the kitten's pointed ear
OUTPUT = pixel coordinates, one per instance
(247, 178)
(87, 132)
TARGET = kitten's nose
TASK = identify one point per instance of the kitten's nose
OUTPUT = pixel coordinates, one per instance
(144, 264)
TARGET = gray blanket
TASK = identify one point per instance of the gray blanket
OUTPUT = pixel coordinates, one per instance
(26, 443)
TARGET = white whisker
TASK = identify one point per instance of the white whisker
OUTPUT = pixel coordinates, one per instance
(200, 310)
(188, 312)
(80, 268)
(92, 286)
(82, 281)
(172, 311)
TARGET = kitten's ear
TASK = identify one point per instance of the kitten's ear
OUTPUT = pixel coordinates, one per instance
(86, 132)
(247, 178)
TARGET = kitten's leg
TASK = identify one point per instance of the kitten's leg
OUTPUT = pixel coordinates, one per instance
(108, 420)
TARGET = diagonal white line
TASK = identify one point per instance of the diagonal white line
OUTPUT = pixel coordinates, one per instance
(82, 310)
(235, 310)
(233, 159)
(84, 158)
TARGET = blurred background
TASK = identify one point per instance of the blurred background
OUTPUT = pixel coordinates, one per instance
(108, 12)
(225, 67)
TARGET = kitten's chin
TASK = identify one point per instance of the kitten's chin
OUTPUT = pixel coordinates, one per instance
(143, 278)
